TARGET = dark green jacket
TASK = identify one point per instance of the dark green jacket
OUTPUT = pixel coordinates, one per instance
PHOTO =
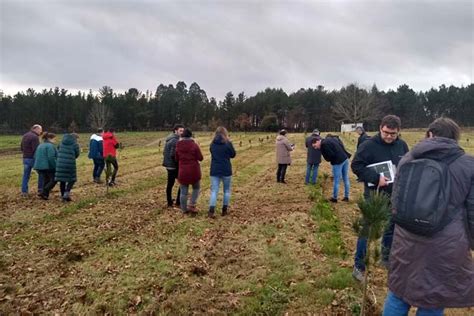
(45, 156)
(66, 163)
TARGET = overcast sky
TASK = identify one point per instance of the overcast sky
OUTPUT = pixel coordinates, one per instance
(235, 45)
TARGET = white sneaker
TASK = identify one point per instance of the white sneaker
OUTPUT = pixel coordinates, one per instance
(358, 274)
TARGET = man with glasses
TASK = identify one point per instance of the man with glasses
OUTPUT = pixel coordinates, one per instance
(384, 146)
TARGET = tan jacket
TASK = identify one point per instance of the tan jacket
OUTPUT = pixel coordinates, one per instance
(283, 148)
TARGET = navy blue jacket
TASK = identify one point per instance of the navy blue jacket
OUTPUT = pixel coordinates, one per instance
(333, 150)
(221, 153)
(95, 147)
(314, 155)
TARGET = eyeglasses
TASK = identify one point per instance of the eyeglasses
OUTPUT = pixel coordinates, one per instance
(391, 134)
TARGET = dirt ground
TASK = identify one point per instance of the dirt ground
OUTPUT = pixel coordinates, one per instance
(124, 252)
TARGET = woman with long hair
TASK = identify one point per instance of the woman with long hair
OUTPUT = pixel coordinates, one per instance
(222, 151)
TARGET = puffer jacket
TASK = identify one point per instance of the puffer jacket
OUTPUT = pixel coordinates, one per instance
(283, 148)
(169, 152)
(438, 271)
(96, 147)
(45, 156)
(66, 163)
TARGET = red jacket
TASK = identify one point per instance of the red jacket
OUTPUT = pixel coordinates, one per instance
(110, 144)
(188, 156)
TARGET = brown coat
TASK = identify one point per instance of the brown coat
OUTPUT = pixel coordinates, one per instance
(283, 148)
(438, 271)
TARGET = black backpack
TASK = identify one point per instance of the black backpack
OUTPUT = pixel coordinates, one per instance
(421, 196)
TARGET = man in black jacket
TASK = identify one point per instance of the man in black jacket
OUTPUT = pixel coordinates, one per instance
(384, 146)
(333, 151)
(170, 163)
(313, 159)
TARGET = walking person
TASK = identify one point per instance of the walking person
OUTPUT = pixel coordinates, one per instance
(384, 146)
(333, 151)
(110, 144)
(96, 153)
(283, 157)
(68, 152)
(188, 155)
(434, 272)
(313, 159)
(222, 151)
(29, 143)
(171, 164)
(45, 163)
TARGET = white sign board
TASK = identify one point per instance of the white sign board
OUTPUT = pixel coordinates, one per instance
(350, 127)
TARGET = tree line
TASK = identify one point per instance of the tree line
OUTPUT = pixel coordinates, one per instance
(59, 110)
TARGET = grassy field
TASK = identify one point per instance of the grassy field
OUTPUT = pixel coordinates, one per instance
(282, 249)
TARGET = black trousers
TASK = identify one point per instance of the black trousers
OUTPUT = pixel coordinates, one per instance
(281, 172)
(111, 161)
(65, 187)
(172, 176)
(48, 178)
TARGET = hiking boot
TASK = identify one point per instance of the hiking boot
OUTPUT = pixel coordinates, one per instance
(346, 199)
(98, 181)
(333, 200)
(66, 197)
(24, 195)
(211, 212)
(224, 210)
(358, 274)
(111, 184)
(43, 196)
(192, 209)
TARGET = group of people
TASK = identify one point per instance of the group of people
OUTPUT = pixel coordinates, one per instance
(182, 157)
(58, 163)
(429, 272)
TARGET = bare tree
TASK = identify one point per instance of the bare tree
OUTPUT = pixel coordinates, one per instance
(99, 115)
(354, 104)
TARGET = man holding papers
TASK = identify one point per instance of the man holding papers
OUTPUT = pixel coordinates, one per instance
(385, 148)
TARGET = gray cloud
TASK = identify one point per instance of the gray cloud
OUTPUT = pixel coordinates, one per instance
(235, 45)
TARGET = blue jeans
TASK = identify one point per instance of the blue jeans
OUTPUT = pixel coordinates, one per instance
(387, 238)
(28, 164)
(215, 182)
(338, 171)
(99, 165)
(184, 195)
(395, 306)
(314, 175)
